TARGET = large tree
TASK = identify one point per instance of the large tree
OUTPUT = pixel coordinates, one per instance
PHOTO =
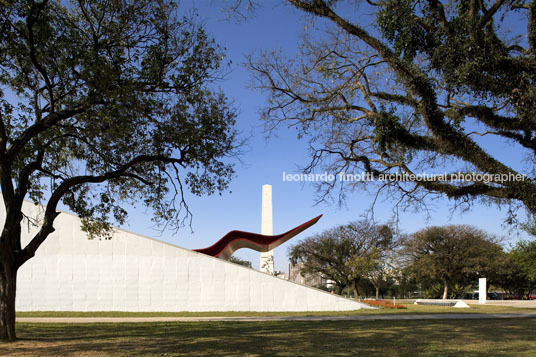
(455, 254)
(406, 87)
(383, 274)
(523, 255)
(345, 254)
(104, 103)
(511, 277)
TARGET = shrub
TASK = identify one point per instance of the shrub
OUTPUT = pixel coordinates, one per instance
(385, 304)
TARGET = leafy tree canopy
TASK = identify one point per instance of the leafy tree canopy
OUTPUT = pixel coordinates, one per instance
(450, 255)
(104, 103)
(415, 92)
(345, 254)
(524, 255)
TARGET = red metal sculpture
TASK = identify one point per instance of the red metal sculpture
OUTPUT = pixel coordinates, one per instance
(235, 240)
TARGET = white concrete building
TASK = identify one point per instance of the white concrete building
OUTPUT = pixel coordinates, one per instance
(131, 272)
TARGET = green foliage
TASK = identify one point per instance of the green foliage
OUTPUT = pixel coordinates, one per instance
(412, 94)
(345, 254)
(460, 52)
(469, 55)
(524, 256)
(433, 291)
(452, 255)
(109, 102)
(239, 261)
(530, 228)
(103, 104)
(386, 128)
(365, 264)
(398, 26)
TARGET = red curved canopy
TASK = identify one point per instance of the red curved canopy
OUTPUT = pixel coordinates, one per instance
(235, 240)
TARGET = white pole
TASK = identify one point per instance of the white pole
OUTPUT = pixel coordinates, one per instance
(482, 293)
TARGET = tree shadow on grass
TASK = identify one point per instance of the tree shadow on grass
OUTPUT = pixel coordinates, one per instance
(333, 338)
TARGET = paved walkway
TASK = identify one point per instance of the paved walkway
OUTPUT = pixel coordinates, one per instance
(273, 318)
(513, 303)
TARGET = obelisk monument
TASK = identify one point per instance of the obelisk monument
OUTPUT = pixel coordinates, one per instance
(267, 228)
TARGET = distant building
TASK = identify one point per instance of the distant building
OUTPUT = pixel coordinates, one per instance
(315, 280)
(282, 275)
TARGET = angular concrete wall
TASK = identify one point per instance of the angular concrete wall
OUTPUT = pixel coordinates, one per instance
(136, 273)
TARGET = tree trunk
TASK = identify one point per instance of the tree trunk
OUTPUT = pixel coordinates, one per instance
(445, 290)
(340, 289)
(377, 292)
(8, 287)
(354, 288)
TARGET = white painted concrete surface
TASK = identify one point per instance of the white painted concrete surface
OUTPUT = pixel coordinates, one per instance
(131, 272)
(266, 263)
(482, 291)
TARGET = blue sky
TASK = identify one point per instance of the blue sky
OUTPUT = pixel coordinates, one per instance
(277, 26)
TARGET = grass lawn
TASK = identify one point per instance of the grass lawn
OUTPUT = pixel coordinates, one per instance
(411, 309)
(513, 337)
